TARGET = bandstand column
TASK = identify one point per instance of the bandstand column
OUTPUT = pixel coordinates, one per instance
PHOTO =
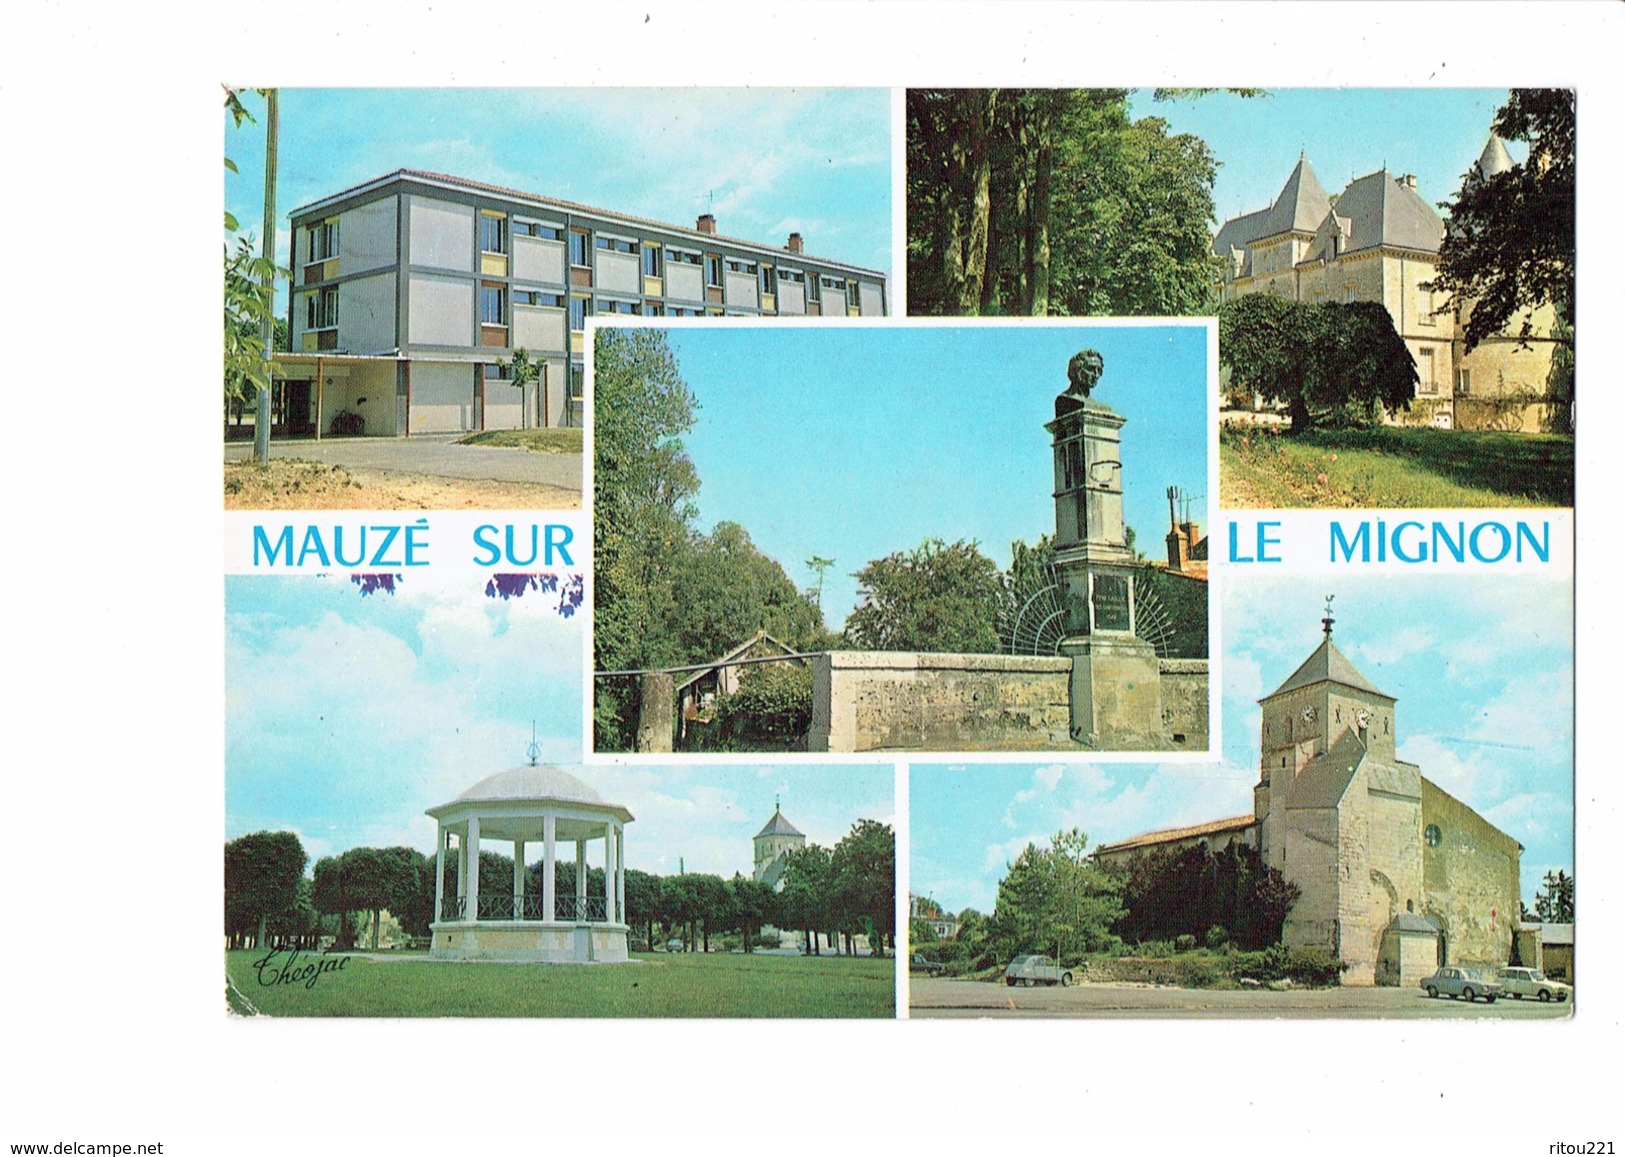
(550, 909)
(519, 879)
(581, 880)
(611, 870)
(471, 855)
(620, 871)
(462, 865)
(439, 871)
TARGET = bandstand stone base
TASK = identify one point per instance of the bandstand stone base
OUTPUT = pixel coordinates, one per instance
(527, 941)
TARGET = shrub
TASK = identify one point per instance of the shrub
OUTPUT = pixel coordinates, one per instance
(1185, 942)
(773, 706)
(1314, 967)
(346, 423)
(1217, 937)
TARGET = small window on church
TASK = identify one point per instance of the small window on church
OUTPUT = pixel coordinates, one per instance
(1432, 835)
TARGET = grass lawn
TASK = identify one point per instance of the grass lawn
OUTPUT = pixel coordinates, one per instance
(556, 440)
(1394, 467)
(659, 984)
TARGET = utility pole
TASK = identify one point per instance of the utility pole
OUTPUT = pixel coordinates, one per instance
(262, 390)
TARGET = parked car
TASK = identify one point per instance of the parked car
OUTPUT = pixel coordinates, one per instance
(1462, 982)
(918, 963)
(1521, 982)
(674, 945)
(1031, 970)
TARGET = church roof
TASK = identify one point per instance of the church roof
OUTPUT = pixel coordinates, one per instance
(1494, 160)
(1173, 835)
(1385, 211)
(1301, 206)
(1239, 233)
(1326, 777)
(779, 826)
(1326, 665)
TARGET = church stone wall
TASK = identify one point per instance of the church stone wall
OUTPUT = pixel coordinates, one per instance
(907, 701)
(1471, 878)
(1310, 861)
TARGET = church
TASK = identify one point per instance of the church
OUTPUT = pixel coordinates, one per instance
(1378, 240)
(1395, 875)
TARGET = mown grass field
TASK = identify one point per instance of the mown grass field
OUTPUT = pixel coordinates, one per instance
(1394, 467)
(550, 441)
(655, 985)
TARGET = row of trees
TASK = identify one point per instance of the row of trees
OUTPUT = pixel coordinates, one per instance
(1059, 901)
(1053, 201)
(838, 893)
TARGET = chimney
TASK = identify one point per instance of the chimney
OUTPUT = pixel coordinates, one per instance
(794, 243)
(706, 223)
(1408, 180)
(1177, 551)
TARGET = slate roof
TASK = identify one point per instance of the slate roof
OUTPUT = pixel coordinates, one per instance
(1240, 232)
(1384, 211)
(1326, 777)
(1301, 206)
(1411, 922)
(1327, 665)
(779, 826)
(1494, 160)
(1172, 835)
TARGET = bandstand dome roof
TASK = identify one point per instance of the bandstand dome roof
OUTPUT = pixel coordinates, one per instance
(535, 783)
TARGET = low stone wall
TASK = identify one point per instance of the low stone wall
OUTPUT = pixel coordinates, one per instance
(907, 701)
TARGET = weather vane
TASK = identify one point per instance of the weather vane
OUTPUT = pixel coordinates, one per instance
(533, 750)
(1326, 623)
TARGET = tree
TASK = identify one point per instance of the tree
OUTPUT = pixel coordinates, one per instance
(1039, 201)
(1555, 902)
(937, 597)
(864, 865)
(731, 590)
(522, 374)
(1169, 894)
(1509, 246)
(643, 902)
(263, 872)
(1331, 361)
(254, 306)
(1054, 899)
(806, 902)
(643, 490)
(751, 905)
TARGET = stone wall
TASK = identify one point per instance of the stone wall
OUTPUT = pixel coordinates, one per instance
(1471, 877)
(905, 701)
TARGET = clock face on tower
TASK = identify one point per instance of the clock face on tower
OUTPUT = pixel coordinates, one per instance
(1362, 717)
(1308, 714)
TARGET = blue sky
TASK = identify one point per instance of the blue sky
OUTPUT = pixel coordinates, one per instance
(766, 161)
(1435, 133)
(1482, 670)
(851, 442)
(346, 717)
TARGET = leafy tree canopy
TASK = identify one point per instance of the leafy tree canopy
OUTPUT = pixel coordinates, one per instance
(1510, 246)
(938, 597)
(1054, 899)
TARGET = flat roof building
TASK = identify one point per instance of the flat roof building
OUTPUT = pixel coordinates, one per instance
(412, 291)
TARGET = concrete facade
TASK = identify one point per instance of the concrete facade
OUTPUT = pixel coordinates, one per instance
(1378, 240)
(437, 280)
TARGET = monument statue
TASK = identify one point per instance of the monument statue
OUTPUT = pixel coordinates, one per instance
(1083, 371)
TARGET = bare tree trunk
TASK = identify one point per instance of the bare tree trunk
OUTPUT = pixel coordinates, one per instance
(980, 105)
(1038, 248)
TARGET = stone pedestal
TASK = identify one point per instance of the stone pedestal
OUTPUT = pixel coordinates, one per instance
(1116, 692)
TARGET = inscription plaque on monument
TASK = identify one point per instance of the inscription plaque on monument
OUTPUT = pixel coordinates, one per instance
(1111, 596)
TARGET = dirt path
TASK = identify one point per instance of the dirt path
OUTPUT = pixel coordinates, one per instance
(294, 485)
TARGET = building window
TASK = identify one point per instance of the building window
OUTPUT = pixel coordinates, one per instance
(324, 240)
(852, 297)
(537, 229)
(767, 283)
(604, 306)
(495, 372)
(616, 245)
(580, 308)
(652, 263)
(740, 266)
(1424, 306)
(1432, 835)
(578, 248)
(1464, 381)
(577, 382)
(322, 309)
(493, 305)
(1426, 383)
(493, 234)
(656, 309)
(683, 256)
(713, 270)
(537, 297)
(794, 275)
(1348, 295)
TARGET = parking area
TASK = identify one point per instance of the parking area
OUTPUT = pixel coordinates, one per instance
(933, 998)
(431, 455)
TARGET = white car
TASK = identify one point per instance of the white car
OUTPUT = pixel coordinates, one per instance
(1521, 982)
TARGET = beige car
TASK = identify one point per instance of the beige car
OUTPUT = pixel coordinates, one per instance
(1521, 982)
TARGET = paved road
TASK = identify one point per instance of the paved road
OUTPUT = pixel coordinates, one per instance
(431, 454)
(979, 998)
